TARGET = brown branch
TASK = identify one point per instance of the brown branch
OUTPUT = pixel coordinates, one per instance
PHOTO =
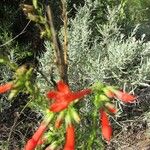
(59, 52)
(65, 21)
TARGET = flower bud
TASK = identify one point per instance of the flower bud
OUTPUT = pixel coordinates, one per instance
(12, 94)
(21, 70)
(68, 118)
(108, 93)
(75, 115)
(59, 119)
(111, 107)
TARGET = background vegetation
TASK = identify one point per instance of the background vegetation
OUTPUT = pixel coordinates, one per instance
(108, 42)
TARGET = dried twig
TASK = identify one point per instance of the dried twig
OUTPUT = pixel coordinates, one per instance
(16, 35)
(59, 52)
(65, 21)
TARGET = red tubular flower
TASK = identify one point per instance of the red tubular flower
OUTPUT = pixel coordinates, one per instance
(6, 87)
(125, 97)
(106, 127)
(70, 138)
(63, 96)
(32, 143)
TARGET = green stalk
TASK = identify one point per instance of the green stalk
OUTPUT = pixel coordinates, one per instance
(93, 132)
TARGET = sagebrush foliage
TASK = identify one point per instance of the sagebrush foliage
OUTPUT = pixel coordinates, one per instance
(110, 57)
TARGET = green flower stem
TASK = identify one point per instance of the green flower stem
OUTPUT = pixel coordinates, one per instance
(93, 132)
(49, 116)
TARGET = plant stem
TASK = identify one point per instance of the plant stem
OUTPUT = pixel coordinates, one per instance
(93, 132)
(59, 52)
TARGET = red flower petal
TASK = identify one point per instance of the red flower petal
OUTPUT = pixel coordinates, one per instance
(62, 87)
(125, 97)
(106, 128)
(6, 87)
(57, 107)
(79, 94)
(70, 138)
(104, 118)
(63, 96)
(52, 94)
(107, 132)
(31, 144)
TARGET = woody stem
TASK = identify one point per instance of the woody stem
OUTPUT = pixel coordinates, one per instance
(59, 51)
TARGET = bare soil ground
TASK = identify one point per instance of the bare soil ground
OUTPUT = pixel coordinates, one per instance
(16, 127)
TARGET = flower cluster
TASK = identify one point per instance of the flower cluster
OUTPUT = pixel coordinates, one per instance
(62, 100)
(110, 92)
(62, 97)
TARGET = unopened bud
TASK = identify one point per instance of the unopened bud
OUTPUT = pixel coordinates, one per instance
(18, 84)
(75, 115)
(21, 70)
(108, 93)
(59, 120)
(111, 107)
(12, 94)
(103, 98)
(68, 118)
(35, 4)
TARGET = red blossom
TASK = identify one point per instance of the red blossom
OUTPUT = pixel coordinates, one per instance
(33, 142)
(124, 96)
(70, 138)
(105, 125)
(63, 96)
(59, 106)
(6, 87)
